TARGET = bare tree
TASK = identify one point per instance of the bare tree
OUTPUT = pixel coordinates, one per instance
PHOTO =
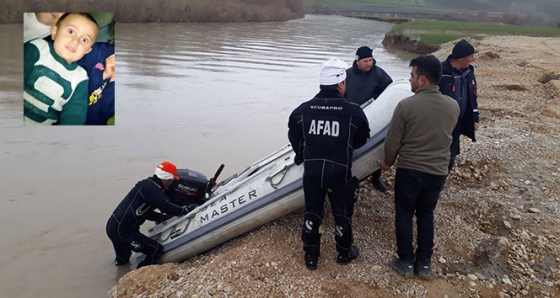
(557, 21)
(317, 6)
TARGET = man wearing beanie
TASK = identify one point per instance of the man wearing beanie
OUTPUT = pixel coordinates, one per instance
(458, 81)
(123, 227)
(324, 132)
(364, 81)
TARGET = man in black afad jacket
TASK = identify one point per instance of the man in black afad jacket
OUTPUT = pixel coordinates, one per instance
(123, 227)
(458, 81)
(364, 81)
(323, 133)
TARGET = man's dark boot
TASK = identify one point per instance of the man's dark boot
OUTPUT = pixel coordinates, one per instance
(404, 268)
(311, 261)
(423, 268)
(376, 181)
(345, 258)
(120, 262)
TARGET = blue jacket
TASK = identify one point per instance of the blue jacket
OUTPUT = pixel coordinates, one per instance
(447, 86)
(101, 93)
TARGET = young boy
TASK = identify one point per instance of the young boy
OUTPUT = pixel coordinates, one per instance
(55, 87)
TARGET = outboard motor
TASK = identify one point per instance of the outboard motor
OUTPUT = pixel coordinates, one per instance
(191, 188)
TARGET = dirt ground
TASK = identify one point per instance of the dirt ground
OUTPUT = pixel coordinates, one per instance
(497, 224)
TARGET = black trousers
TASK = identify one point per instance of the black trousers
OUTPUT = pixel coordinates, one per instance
(342, 202)
(455, 147)
(137, 242)
(416, 193)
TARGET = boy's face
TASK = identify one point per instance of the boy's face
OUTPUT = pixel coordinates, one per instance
(73, 37)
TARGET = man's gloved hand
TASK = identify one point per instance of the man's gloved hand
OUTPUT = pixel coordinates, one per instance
(213, 182)
(165, 217)
(298, 159)
(191, 207)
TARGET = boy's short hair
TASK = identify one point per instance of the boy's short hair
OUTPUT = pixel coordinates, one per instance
(83, 14)
(428, 66)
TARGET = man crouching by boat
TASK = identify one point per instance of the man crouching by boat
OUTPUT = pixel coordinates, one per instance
(123, 227)
(323, 133)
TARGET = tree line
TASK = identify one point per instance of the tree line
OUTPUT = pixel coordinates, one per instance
(135, 11)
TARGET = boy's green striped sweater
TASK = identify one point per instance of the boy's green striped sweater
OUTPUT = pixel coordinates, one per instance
(55, 92)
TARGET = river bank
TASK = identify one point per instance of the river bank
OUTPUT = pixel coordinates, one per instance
(497, 229)
(407, 44)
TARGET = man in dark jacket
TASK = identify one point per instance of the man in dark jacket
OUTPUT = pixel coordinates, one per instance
(458, 81)
(364, 81)
(323, 133)
(123, 227)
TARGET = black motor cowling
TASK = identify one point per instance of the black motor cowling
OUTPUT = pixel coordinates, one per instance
(190, 189)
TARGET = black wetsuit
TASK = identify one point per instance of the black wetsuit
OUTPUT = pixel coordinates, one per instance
(323, 133)
(123, 227)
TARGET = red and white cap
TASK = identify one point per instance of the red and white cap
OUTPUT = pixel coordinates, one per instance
(166, 171)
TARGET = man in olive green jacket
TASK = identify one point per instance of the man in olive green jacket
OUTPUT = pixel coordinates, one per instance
(419, 137)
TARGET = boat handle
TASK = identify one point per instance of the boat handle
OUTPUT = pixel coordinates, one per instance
(283, 171)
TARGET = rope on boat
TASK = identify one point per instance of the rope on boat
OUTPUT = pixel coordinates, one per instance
(283, 171)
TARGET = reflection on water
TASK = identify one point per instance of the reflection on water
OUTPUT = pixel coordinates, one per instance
(195, 94)
(166, 49)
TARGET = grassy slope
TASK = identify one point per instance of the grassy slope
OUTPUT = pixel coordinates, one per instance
(545, 6)
(338, 3)
(438, 32)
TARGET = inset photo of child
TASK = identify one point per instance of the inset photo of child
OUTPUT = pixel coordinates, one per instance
(69, 68)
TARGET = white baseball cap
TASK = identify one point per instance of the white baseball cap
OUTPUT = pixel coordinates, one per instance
(333, 72)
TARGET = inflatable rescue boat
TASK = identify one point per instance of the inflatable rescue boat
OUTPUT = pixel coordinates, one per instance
(264, 191)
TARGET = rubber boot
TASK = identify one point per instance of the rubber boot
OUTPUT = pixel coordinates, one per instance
(377, 182)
